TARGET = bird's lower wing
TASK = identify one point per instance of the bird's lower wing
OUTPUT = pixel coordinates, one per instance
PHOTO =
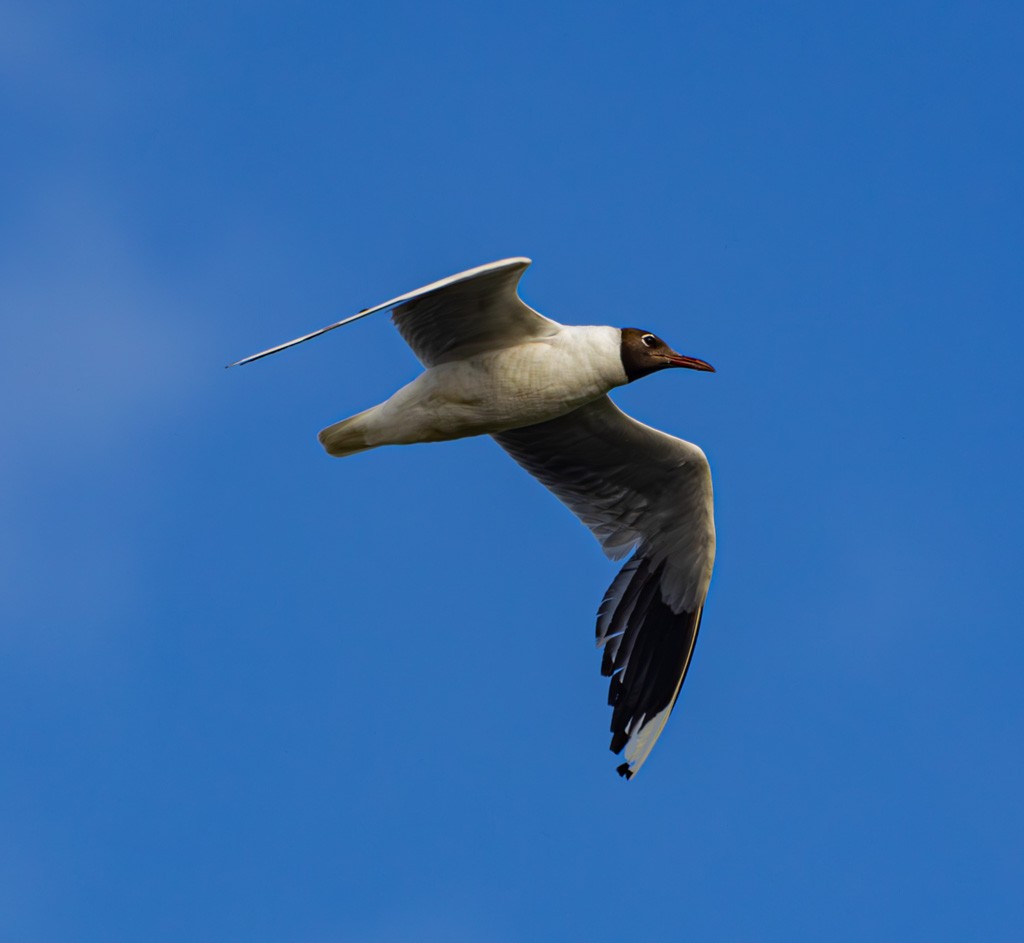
(634, 487)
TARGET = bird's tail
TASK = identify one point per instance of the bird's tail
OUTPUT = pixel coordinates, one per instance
(346, 437)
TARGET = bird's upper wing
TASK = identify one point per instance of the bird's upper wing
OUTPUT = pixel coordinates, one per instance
(633, 486)
(463, 314)
(468, 313)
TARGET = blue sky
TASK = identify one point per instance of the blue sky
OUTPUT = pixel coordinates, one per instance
(253, 693)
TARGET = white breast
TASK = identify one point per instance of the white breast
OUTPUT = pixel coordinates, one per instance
(502, 389)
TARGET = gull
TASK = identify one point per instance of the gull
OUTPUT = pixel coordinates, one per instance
(495, 366)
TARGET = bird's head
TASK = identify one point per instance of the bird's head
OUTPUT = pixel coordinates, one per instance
(643, 353)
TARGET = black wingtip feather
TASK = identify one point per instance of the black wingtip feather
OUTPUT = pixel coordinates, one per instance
(648, 649)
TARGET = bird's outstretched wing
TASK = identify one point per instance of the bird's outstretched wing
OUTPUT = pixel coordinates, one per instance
(634, 487)
(467, 313)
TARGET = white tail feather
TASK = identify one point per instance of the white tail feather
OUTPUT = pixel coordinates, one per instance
(346, 437)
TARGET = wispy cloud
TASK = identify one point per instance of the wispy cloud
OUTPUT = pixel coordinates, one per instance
(44, 65)
(96, 346)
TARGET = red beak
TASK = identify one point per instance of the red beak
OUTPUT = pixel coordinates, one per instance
(678, 360)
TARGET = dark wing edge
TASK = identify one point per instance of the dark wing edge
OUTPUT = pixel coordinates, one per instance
(473, 311)
(634, 487)
(647, 653)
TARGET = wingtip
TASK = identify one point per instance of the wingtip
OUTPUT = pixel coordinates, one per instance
(250, 359)
(624, 771)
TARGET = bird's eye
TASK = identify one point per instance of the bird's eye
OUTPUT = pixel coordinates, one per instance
(649, 340)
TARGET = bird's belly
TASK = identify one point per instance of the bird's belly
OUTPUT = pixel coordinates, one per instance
(486, 394)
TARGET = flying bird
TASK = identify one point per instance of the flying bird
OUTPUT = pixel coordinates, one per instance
(495, 366)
